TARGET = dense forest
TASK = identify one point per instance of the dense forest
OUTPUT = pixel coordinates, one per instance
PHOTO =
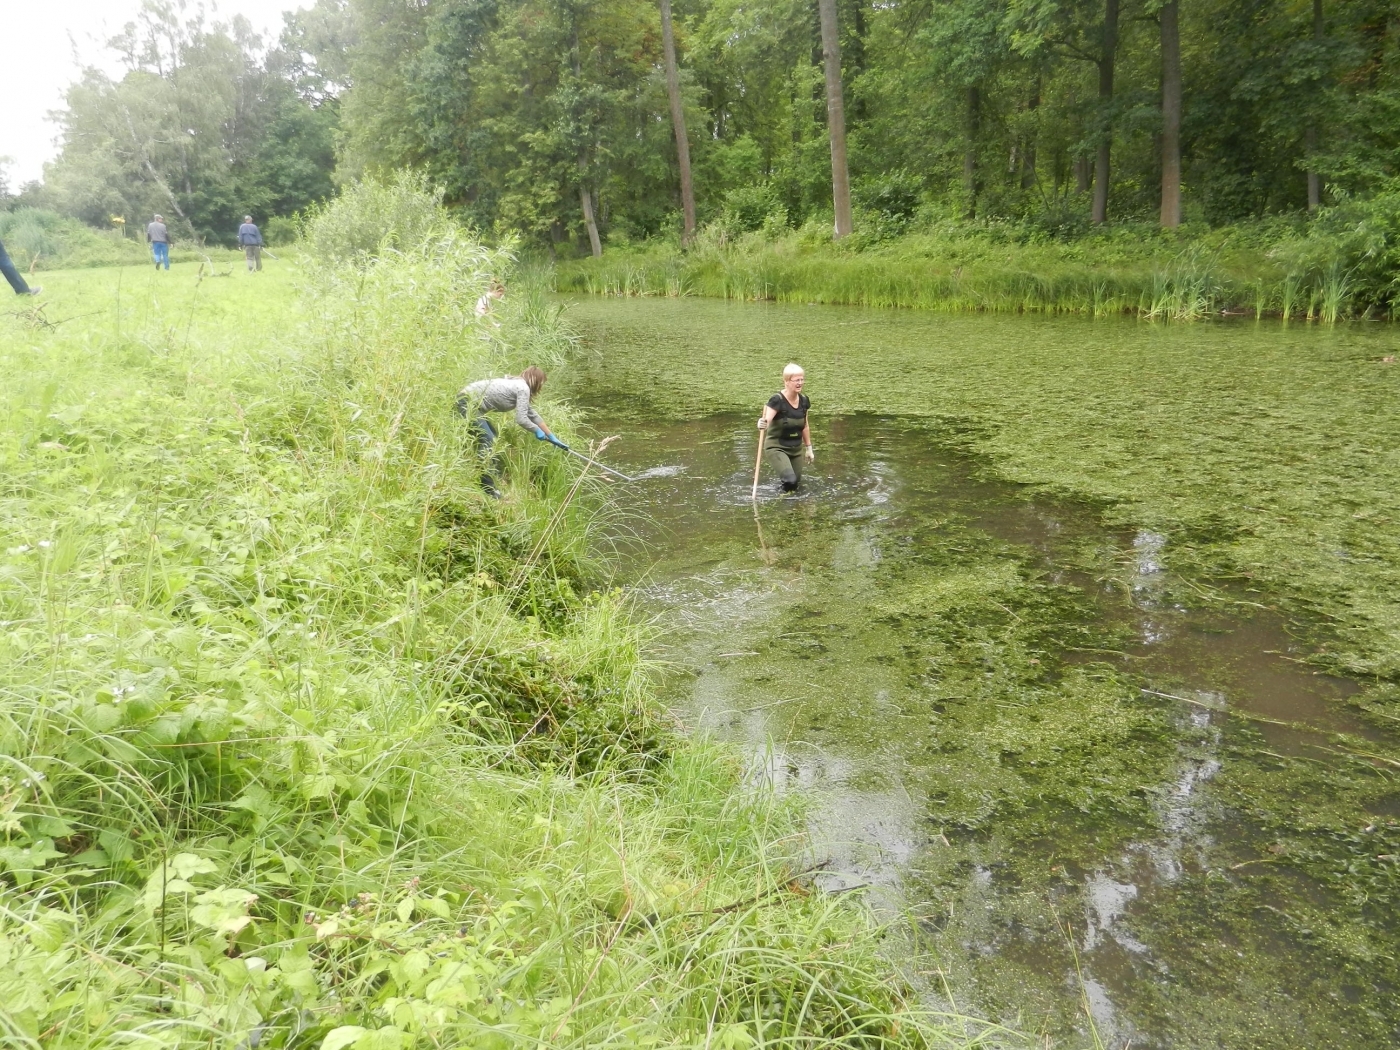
(546, 117)
(1051, 109)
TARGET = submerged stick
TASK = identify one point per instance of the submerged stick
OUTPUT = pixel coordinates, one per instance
(757, 463)
(762, 546)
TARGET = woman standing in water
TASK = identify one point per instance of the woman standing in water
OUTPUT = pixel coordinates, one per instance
(788, 438)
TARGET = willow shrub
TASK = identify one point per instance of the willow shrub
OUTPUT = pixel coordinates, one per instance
(306, 743)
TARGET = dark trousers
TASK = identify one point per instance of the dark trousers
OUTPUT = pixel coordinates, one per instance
(485, 436)
(11, 274)
(788, 464)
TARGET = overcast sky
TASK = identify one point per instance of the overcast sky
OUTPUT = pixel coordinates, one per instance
(46, 42)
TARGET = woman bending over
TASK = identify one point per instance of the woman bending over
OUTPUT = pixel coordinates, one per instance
(510, 394)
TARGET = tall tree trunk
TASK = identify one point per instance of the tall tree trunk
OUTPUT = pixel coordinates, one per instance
(1314, 181)
(1028, 151)
(1171, 115)
(971, 179)
(1099, 212)
(586, 199)
(1081, 175)
(673, 89)
(836, 117)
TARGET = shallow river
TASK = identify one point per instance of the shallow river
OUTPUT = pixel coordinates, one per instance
(1047, 757)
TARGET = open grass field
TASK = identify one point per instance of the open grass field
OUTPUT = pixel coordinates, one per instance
(306, 743)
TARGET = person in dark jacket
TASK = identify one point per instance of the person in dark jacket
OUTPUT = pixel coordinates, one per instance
(159, 239)
(251, 238)
(12, 275)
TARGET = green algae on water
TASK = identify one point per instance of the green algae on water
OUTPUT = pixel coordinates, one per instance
(1260, 449)
(1067, 750)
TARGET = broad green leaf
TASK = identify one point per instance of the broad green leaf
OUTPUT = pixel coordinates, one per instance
(188, 865)
(318, 786)
(224, 910)
(435, 906)
(339, 1038)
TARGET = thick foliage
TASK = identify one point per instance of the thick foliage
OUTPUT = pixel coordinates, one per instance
(992, 109)
(204, 127)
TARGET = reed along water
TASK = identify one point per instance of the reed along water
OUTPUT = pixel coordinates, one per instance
(1102, 792)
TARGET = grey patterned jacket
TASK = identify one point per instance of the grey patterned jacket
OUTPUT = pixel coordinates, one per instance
(510, 394)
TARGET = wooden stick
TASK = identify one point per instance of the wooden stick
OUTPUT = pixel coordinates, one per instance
(757, 464)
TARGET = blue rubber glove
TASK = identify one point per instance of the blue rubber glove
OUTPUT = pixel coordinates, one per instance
(541, 434)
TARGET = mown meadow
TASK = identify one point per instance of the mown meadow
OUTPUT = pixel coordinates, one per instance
(306, 743)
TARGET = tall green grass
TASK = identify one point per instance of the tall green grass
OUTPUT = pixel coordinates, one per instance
(38, 240)
(306, 743)
(1272, 269)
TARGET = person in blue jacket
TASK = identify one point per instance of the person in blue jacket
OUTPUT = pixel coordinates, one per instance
(250, 237)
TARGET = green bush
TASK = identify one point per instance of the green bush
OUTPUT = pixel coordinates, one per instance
(45, 240)
(280, 232)
(750, 208)
(400, 213)
(895, 195)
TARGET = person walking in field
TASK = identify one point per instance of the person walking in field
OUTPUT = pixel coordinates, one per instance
(509, 394)
(785, 431)
(251, 238)
(17, 282)
(159, 239)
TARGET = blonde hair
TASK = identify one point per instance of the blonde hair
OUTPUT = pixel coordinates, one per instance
(793, 369)
(534, 379)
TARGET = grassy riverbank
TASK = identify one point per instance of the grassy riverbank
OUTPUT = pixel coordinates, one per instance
(1342, 264)
(307, 744)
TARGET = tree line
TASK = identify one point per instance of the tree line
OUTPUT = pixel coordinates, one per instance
(575, 121)
(205, 125)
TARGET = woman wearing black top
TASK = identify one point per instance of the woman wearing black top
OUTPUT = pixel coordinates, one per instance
(789, 436)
